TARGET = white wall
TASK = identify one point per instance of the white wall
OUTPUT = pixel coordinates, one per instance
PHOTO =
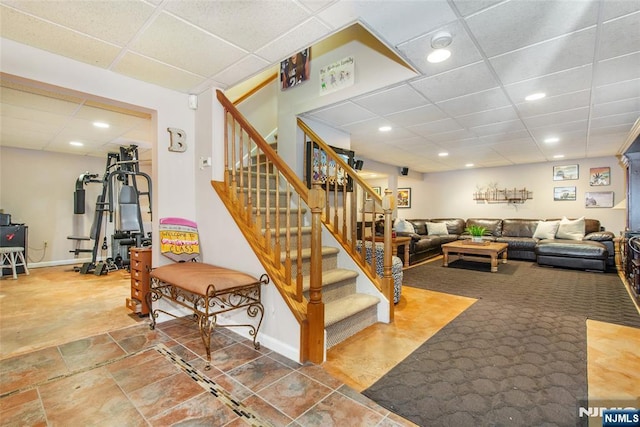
(174, 188)
(450, 194)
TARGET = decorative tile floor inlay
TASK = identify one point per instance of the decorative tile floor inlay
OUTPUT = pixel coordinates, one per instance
(209, 385)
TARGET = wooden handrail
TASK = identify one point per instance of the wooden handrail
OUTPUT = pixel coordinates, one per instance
(265, 147)
(343, 223)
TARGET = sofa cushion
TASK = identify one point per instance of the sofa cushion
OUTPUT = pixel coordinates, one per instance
(571, 229)
(546, 230)
(519, 243)
(419, 225)
(402, 225)
(439, 228)
(519, 227)
(493, 226)
(454, 225)
(572, 249)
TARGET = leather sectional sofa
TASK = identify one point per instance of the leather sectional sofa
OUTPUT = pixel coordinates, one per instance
(594, 251)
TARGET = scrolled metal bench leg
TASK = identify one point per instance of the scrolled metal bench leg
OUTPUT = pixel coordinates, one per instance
(206, 327)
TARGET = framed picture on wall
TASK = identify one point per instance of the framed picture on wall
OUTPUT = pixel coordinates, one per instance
(377, 190)
(565, 173)
(598, 199)
(404, 198)
(564, 193)
(322, 167)
(295, 69)
(599, 176)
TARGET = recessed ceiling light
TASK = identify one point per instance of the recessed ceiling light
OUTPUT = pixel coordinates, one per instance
(439, 55)
(443, 154)
(384, 128)
(551, 139)
(102, 125)
(535, 96)
(468, 165)
(558, 156)
(76, 143)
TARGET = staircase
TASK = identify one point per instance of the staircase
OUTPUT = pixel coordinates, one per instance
(283, 221)
(346, 311)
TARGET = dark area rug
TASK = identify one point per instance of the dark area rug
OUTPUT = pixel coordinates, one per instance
(516, 357)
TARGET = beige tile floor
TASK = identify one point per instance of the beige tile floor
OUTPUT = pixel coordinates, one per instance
(77, 357)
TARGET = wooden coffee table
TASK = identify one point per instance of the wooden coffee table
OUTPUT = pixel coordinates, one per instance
(395, 242)
(465, 247)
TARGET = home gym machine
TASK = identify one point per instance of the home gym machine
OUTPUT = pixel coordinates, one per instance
(121, 175)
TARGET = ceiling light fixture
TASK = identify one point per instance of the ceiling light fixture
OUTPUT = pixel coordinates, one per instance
(76, 143)
(443, 154)
(551, 139)
(535, 96)
(384, 128)
(439, 42)
(102, 125)
(468, 165)
(558, 156)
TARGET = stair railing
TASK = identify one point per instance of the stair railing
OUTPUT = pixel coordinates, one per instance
(267, 200)
(350, 200)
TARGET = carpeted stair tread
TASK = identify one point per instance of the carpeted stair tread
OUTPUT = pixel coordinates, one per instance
(345, 307)
(294, 231)
(306, 253)
(330, 277)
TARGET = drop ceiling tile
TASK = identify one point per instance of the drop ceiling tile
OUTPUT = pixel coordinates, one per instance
(615, 8)
(30, 118)
(475, 103)
(619, 37)
(619, 107)
(468, 7)
(566, 81)
(368, 128)
(501, 114)
(455, 83)
(315, 5)
(111, 21)
(31, 101)
(514, 25)
(13, 134)
(147, 69)
(342, 114)
(617, 69)
(618, 119)
(398, 98)
(248, 25)
(395, 21)
(427, 113)
(609, 131)
(617, 91)
(177, 43)
(53, 38)
(570, 51)
(463, 50)
(498, 128)
(616, 139)
(578, 114)
(447, 137)
(247, 66)
(511, 137)
(555, 104)
(432, 128)
(293, 41)
(561, 130)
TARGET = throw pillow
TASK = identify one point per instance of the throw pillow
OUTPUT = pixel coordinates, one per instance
(546, 229)
(572, 230)
(437, 228)
(402, 225)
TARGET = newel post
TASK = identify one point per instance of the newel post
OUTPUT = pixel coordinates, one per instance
(315, 309)
(387, 281)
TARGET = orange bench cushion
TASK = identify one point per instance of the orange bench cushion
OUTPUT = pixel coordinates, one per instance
(196, 277)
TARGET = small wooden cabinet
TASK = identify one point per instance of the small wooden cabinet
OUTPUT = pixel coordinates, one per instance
(140, 259)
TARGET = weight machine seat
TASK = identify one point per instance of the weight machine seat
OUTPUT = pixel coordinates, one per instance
(129, 209)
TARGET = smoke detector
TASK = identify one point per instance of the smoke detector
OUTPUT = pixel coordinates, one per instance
(441, 39)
